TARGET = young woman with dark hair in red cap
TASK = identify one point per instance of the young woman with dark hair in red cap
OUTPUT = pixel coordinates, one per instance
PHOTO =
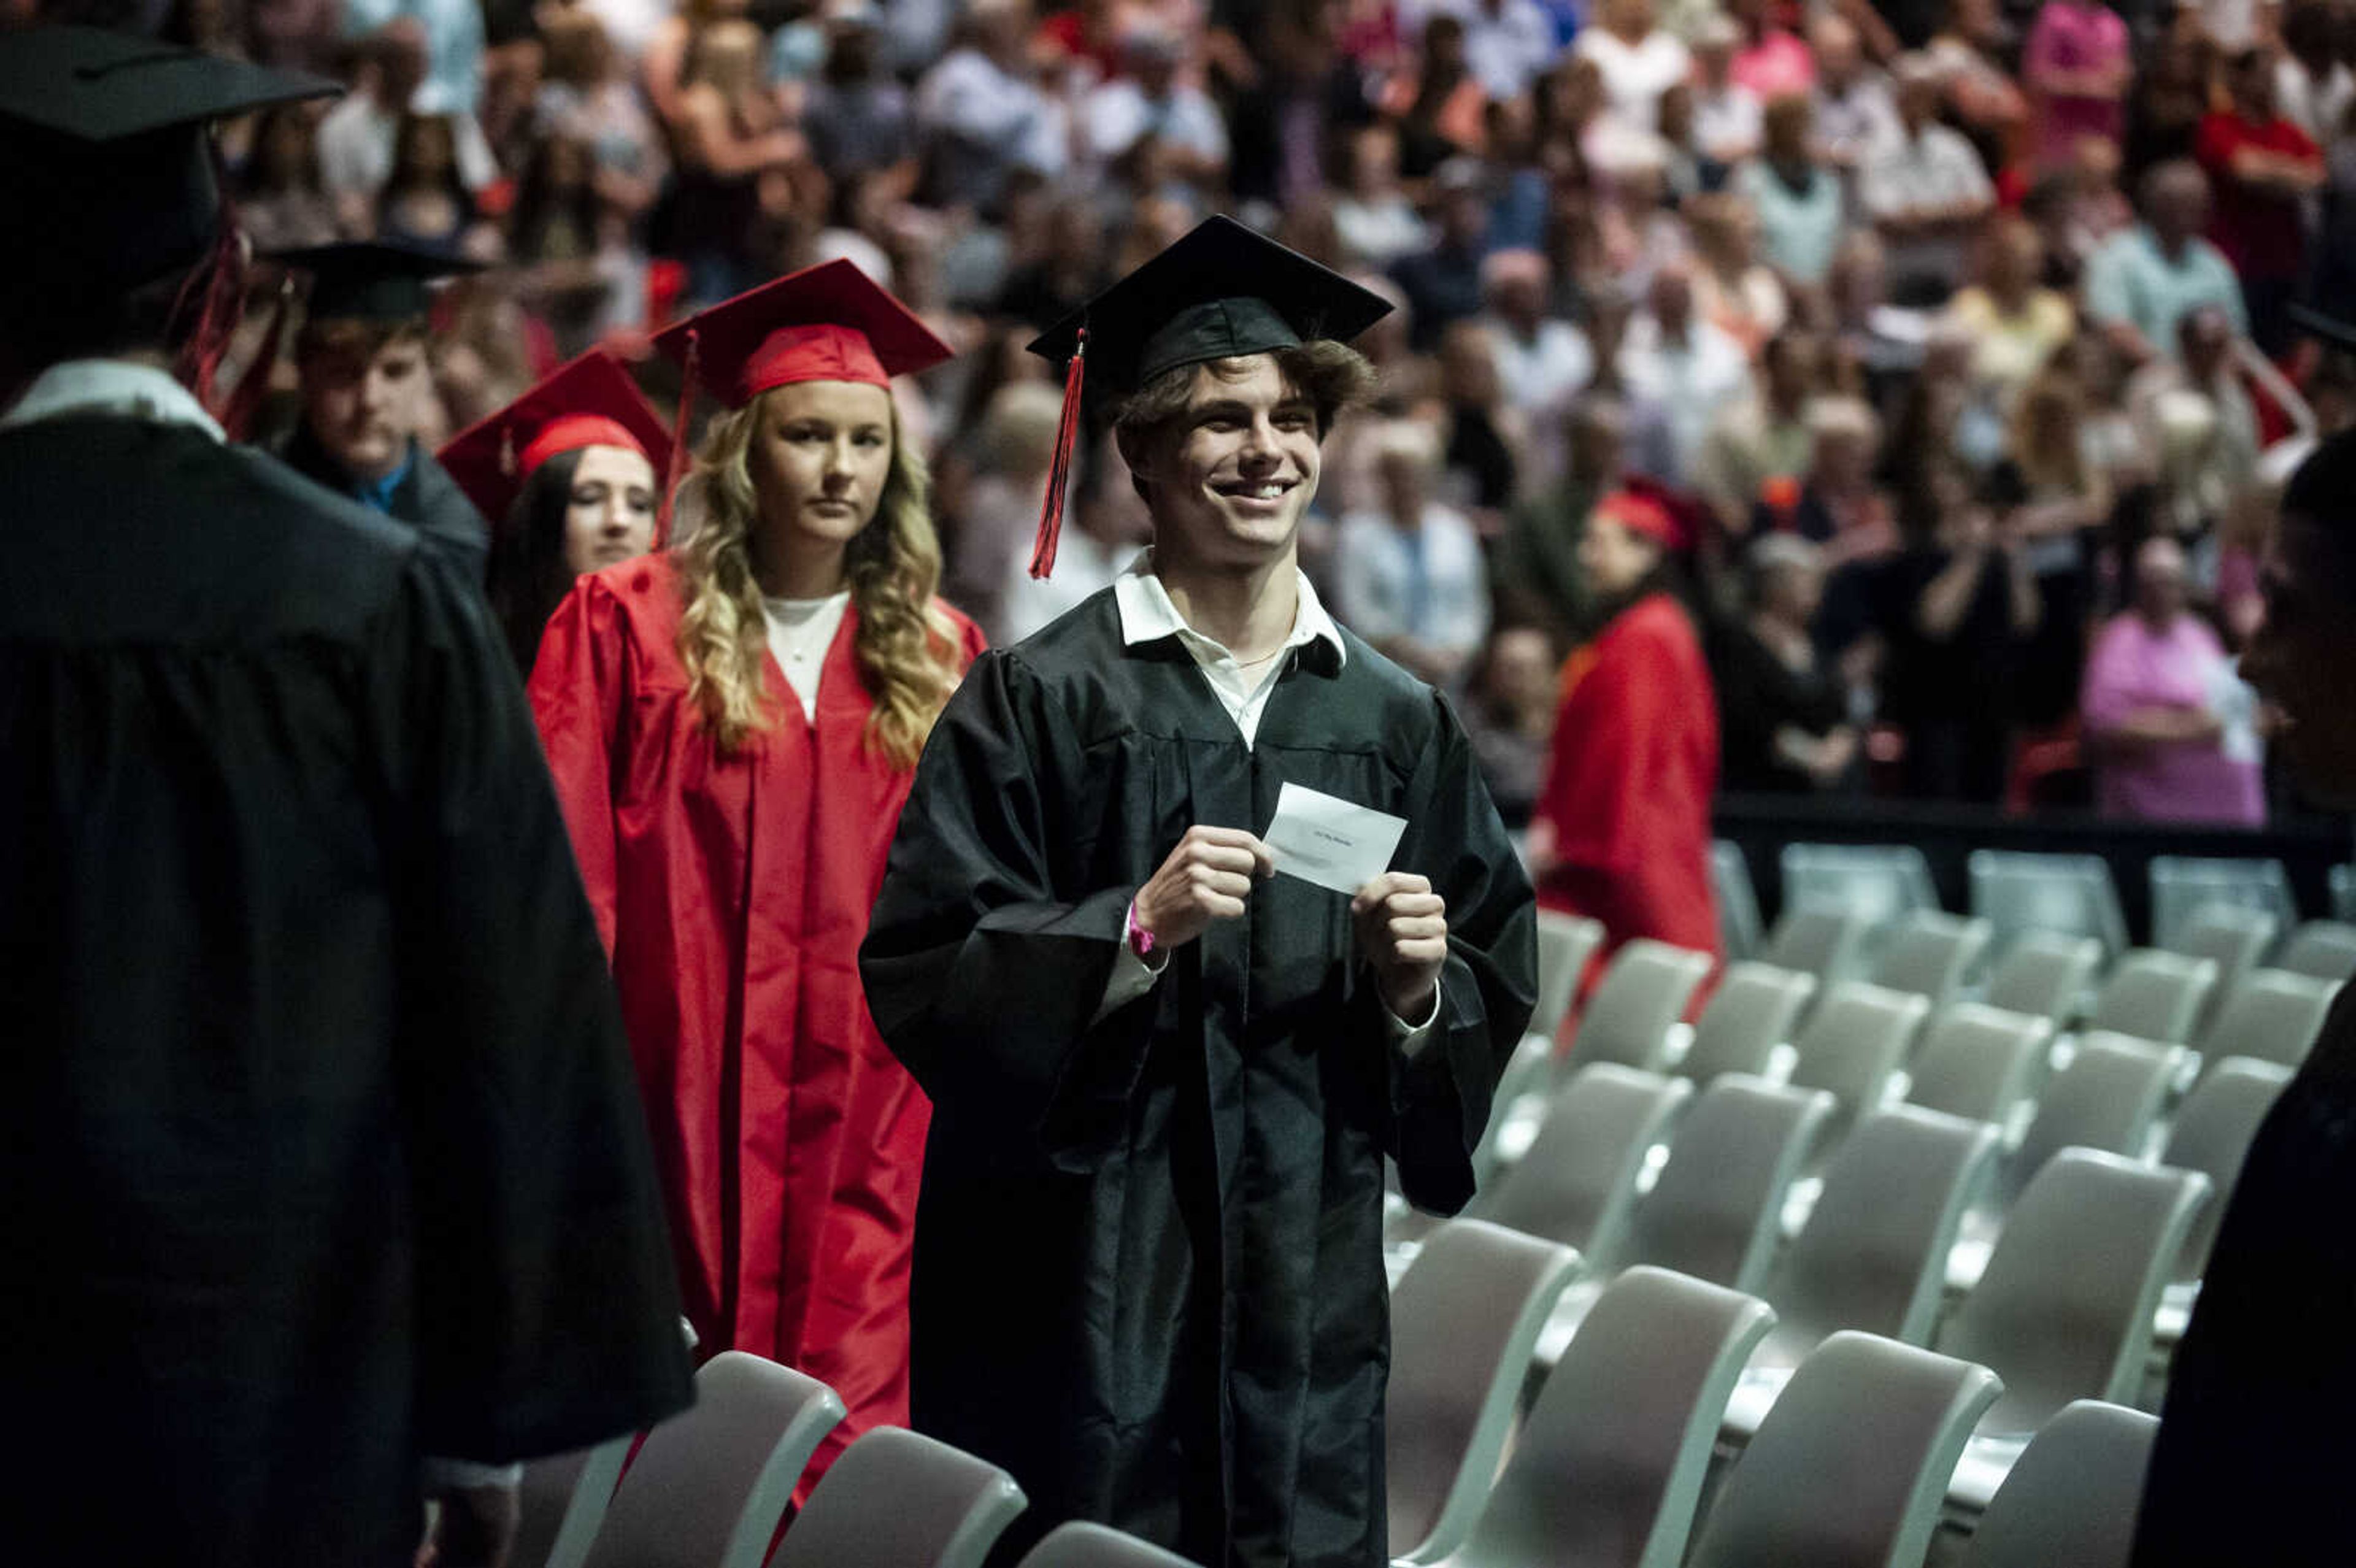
(572, 471)
(732, 724)
(1621, 829)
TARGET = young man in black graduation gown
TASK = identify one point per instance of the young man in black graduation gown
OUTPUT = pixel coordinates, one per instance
(319, 1149)
(363, 360)
(2256, 1446)
(1149, 1275)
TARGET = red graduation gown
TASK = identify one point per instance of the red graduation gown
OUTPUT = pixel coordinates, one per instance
(1628, 784)
(733, 893)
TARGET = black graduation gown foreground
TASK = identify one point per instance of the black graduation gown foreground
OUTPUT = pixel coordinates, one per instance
(1149, 1275)
(2257, 1444)
(427, 499)
(319, 1149)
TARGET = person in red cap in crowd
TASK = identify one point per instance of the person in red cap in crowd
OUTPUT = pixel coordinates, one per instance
(733, 723)
(572, 472)
(1621, 829)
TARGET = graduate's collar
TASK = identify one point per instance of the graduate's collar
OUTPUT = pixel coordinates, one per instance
(1147, 614)
(118, 388)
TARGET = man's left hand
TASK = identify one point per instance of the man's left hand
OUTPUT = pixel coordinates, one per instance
(1403, 928)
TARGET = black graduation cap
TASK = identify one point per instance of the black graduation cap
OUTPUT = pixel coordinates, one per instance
(373, 280)
(106, 169)
(1221, 291)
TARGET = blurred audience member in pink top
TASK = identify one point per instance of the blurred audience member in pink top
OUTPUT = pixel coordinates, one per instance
(2077, 66)
(2168, 719)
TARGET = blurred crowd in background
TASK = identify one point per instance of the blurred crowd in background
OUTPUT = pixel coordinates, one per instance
(1965, 340)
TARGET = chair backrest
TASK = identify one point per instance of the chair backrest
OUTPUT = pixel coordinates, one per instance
(1979, 1061)
(1079, 1543)
(1464, 1324)
(1644, 991)
(1828, 943)
(2183, 888)
(1716, 1211)
(1749, 1015)
(1577, 1182)
(2073, 1495)
(2068, 894)
(2156, 996)
(1566, 943)
(2273, 1014)
(1879, 883)
(2234, 938)
(896, 1499)
(2105, 1099)
(2343, 893)
(2325, 949)
(2065, 1309)
(1873, 1254)
(2044, 976)
(2212, 1135)
(562, 1503)
(1738, 899)
(708, 1486)
(1930, 954)
(1608, 1470)
(1850, 1466)
(1529, 1071)
(1854, 1043)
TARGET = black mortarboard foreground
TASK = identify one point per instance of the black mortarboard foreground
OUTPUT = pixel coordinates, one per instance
(372, 280)
(1220, 293)
(107, 172)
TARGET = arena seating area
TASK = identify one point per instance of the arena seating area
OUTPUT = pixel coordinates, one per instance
(1880, 1260)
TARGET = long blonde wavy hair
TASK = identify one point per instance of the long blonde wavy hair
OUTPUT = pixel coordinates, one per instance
(906, 648)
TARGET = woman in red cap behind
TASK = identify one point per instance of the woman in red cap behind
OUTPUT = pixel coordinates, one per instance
(733, 723)
(1622, 830)
(570, 474)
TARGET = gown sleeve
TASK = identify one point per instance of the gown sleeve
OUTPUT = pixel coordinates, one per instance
(578, 695)
(546, 1308)
(982, 976)
(1440, 1095)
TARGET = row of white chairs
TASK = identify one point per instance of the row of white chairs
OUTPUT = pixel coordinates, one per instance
(2052, 895)
(711, 1488)
(1612, 1463)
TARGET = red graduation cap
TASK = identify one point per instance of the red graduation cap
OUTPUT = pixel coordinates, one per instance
(827, 323)
(587, 401)
(1642, 514)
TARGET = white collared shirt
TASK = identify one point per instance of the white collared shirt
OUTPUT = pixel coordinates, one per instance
(1148, 615)
(116, 386)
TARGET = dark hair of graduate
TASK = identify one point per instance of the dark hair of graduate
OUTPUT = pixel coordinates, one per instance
(1332, 376)
(528, 577)
(2322, 494)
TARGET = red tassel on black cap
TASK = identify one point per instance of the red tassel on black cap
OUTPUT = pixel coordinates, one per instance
(1059, 473)
(222, 275)
(677, 468)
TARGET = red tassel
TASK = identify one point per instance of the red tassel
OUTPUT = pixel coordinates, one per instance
(253, 385)
(1059, 473)
(223, 275)
(677, 468)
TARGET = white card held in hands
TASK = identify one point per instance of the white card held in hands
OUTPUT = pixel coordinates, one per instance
(1330, 842)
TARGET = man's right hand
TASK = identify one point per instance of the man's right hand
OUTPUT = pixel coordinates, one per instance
(1206, 877)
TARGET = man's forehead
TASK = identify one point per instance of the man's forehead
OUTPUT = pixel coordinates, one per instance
(1249, 378)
